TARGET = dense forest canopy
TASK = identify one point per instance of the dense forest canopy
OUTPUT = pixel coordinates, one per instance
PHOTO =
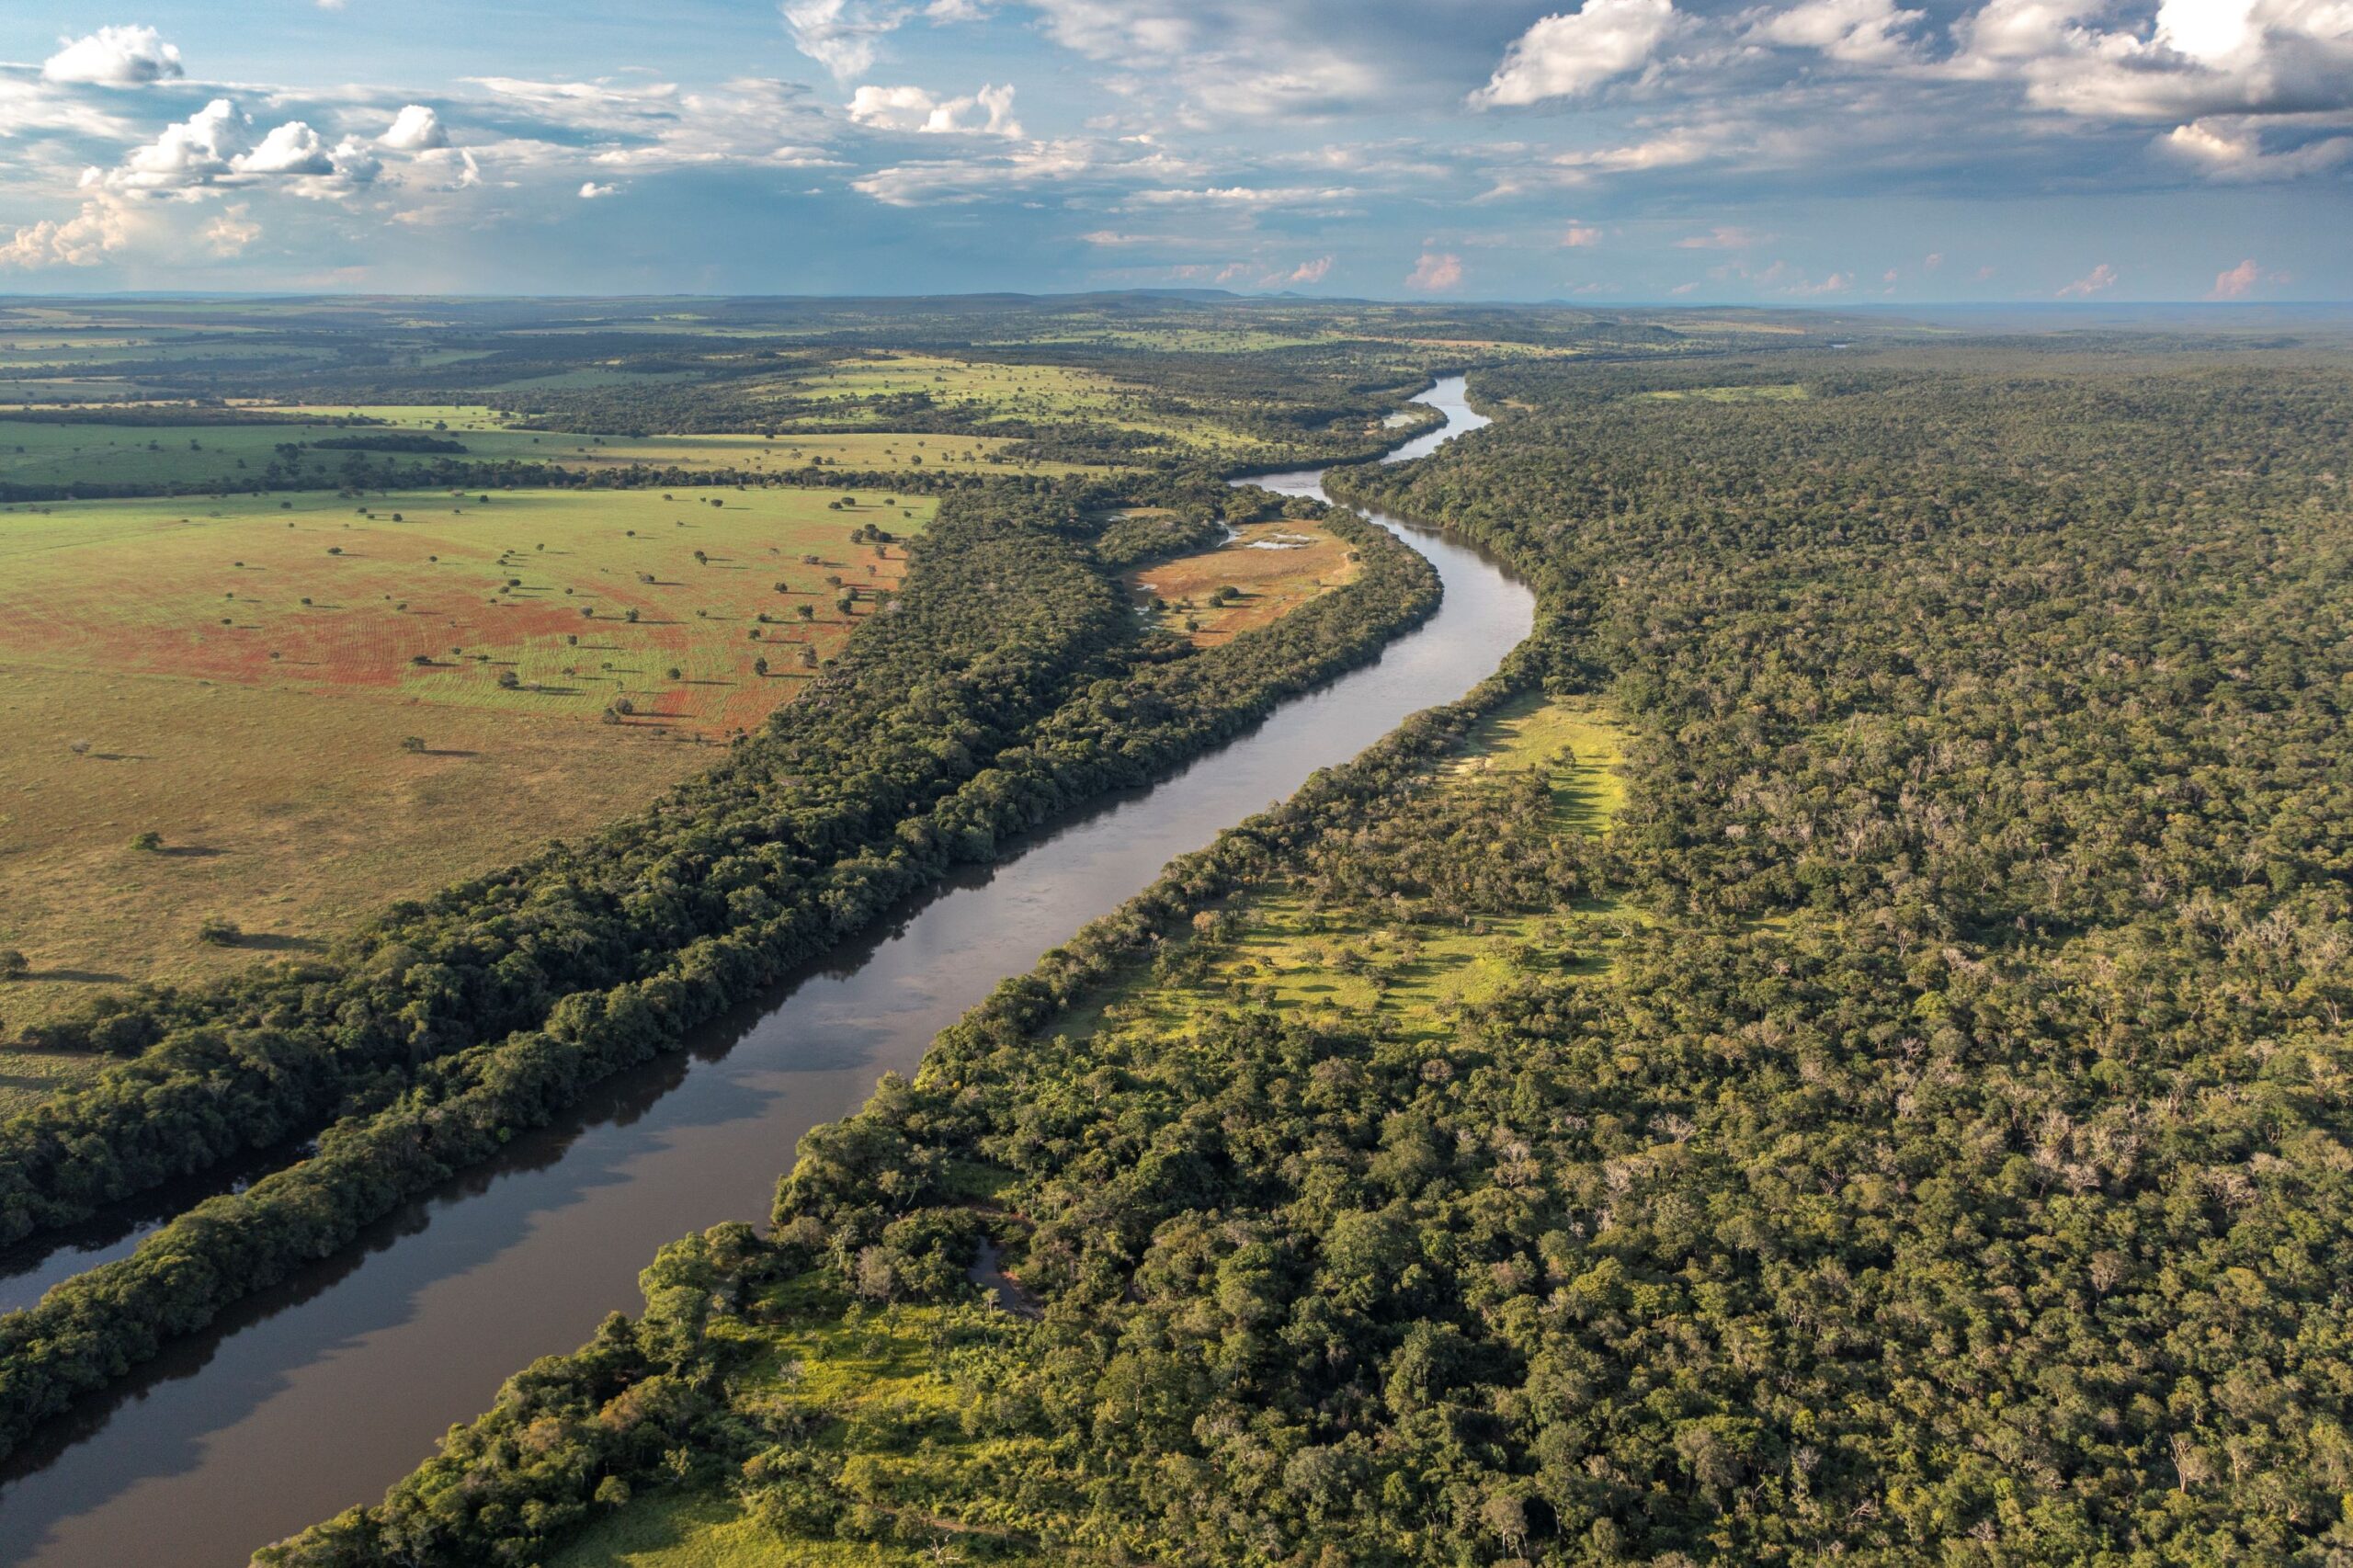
(1943, 1155)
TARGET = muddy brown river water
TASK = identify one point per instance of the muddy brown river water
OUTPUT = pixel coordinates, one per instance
(318, 1394)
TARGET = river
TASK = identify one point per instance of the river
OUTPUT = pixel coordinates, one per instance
(320, 1392)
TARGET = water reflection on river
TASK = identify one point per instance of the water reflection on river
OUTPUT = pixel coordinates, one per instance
(318, 1394)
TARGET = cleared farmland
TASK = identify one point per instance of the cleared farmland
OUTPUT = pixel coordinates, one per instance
(234, 457)
(243, 679)
(1261, 575)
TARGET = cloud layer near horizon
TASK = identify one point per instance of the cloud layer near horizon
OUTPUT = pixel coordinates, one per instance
(1470, 148)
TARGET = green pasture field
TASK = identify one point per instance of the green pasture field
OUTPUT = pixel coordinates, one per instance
(161, 670)
(232, 457)
(487, 434)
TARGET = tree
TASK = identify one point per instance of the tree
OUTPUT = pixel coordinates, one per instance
(150, 841)
(412, 742)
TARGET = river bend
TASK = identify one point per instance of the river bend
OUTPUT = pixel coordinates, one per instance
(319, 1393)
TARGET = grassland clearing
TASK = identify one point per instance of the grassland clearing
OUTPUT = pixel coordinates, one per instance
(1290, 955)
(1789, 391)
(241, 678)
(233, 457)
(1268, 570)
(872, 1393)
(1009, 389)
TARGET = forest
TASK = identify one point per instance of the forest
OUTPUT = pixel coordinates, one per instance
(1909, 1124)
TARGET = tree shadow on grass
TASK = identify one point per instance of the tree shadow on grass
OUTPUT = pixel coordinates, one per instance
(190, 852)
(277, 942)
(79, 976)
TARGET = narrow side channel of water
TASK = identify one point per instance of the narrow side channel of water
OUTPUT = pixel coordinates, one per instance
(319, 1395)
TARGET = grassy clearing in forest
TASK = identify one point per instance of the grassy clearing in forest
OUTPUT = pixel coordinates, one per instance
(29, 1077)
(1289, 956)
(1789, 391)
(983, 389)
(1275, 567)
(870, 1389)
(138, 695)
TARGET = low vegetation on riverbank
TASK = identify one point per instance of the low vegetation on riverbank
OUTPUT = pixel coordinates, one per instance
(1944, 1157)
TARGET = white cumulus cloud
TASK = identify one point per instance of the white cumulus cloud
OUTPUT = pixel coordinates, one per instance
(416, 129)
(2231, 148)
(87, 239)
(2098, 280)
(214, 149)
(843, 36)
(2203, 57)
(1434, 272)
(2238, 282)
(114, 57)
(1862, 32)
(230, 231)
(1572, 53)
(987, 112)
(292, 148)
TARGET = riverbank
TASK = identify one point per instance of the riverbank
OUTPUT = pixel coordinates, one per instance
(451, 1290)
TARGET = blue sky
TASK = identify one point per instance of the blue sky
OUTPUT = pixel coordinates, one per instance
(1786, 151)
